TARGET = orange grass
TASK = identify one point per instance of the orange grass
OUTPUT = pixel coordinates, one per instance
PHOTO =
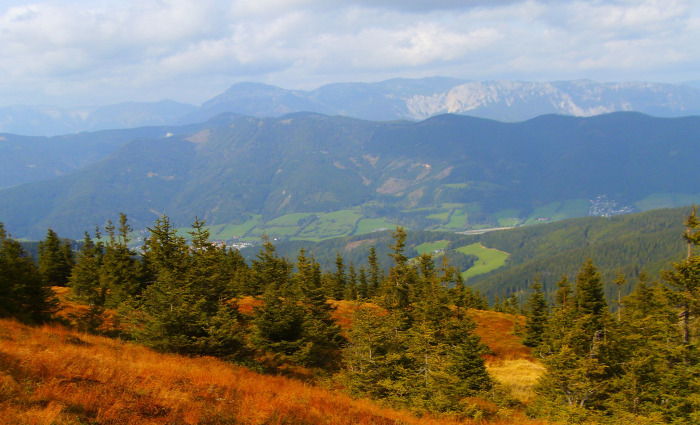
(68, 306)
(52, 375)
(497, 330)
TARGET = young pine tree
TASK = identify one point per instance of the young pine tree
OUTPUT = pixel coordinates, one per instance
(536, 315)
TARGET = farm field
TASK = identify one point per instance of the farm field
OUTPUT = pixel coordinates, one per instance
(489, 259)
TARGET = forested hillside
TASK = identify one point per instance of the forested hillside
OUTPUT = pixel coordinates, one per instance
(326, 176)
(627, 244)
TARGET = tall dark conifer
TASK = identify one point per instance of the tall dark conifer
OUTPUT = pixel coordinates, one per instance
(536, 315)
(24, 293)
(55, 259)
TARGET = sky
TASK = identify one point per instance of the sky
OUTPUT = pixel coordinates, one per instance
(99, 52)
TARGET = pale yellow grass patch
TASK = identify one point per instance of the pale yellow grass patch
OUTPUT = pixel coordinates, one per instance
(519, 375)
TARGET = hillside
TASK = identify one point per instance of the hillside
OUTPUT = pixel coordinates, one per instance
(29, 159)
(51, 374)
(629, 244)
(449, 172)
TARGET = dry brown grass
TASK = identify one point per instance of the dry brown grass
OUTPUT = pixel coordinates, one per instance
(511, 362)
(51, 375)
(497, 330)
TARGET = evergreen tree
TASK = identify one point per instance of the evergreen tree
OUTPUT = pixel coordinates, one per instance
(369, 355)
(619, 282)
(395, 293)
(420, 352)
(85, 275)
(85, 283)
(187, 308)
(363, 286)
(268, 269)
(651, 358)
(163, 251)
(339, 278)
(24, 294)
(55, 259)
(574, 347)
(321, 335)
(684, 279)
(120, 276)
(536, 315)
(375, 274)
(278, 327)
(350, 293)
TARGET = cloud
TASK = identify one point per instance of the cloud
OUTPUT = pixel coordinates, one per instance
(104, 51)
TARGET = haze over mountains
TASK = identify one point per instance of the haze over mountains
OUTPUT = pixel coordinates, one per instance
(236, 168)
(411, 99)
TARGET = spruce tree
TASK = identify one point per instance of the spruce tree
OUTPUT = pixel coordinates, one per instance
(55, 259)
(321, 335)
(85, 283)
(339, 278)
(278, 327)
(684, 279)
(575, 348)
(650, 358)
(120, 274)
(350, 293)
(375, 275)
(24, 293)
(188, 307)
(268, 269)
(363, 286)
(536, 315)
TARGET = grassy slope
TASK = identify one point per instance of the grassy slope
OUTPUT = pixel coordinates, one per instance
(52, 375)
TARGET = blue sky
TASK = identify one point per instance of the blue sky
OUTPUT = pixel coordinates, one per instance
(75, 52)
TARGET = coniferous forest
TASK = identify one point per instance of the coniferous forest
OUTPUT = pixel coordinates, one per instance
(410, 341)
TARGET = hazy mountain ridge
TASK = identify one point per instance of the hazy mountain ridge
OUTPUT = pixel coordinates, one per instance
(411, 99)
(53, 120)
(234, 166)
(26, 159)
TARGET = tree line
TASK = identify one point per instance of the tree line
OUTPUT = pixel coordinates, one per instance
(405, 345)
(411, 341)
(640, 364)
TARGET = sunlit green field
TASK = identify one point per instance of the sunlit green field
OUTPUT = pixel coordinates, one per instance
(430, 247)
(489, 259)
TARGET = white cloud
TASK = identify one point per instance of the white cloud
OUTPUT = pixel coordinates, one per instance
(104, 51)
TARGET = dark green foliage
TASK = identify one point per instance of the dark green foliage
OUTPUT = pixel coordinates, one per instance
(56, 259)
(121, 276)
(86, 284)
(375, 274)
(642, 367)
(278, 325)
(628, 244)
(339, 280)
(536, 316)
(294, 324)
(417, 351)
(187, 306)
(24, 293)
(684, 279)
(574, 346)
(268, 269)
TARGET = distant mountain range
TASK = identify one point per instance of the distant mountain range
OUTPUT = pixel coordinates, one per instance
(398, 99)
(449, 172)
